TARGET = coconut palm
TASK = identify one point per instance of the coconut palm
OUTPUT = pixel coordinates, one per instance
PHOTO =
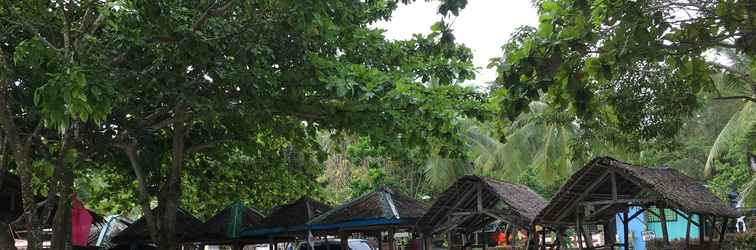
(735, 80)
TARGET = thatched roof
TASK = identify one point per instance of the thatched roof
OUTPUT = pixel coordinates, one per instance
(665, 186)
(515, 203)
(381, 204)
(296, 213)
(228, 223)
(187, 228)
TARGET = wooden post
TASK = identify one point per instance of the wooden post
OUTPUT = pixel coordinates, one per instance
(380, 240)
(450, 239)
(344, 241)
(722, 233)
(514, 236)
(578, 229)
(687, 231)
(391, 239)
(610, 232)
(543, 239)
(528, 235)
(701, 228)
(626, 229)
(427, 242)
(665, 232)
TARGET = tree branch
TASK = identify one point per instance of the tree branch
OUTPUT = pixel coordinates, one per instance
(744, 97)
(210, 12)
(15, 19)
(206, 145)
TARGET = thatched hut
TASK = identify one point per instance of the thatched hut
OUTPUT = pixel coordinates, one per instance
(226, 226)
(375, 213)
(605, 187)
(286, 222)
(138, 234)
(473, 202)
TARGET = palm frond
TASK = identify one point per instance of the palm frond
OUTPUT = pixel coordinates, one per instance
(740, 124)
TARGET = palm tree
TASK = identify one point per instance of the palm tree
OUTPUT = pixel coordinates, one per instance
(737, 80)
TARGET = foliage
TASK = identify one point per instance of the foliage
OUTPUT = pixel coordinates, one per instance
(601, 59)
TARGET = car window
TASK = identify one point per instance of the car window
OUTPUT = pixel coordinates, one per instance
(359, 245)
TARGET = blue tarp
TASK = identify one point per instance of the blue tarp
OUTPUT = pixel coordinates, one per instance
(251, 232)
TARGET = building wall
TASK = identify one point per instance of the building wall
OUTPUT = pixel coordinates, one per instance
(676, 226)
(636, 226)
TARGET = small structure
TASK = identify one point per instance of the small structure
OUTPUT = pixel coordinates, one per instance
(225, 227)
(287, 222)
(138, 234)
(605, 187)
(374, 213)
(473, 202)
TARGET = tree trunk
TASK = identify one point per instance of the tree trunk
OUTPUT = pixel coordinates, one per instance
(61, 226)
(171, 198)
(144, 196)
(62, 221)
(21, 155)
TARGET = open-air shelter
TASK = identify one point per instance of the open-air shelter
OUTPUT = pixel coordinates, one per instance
(605, 187)
(137, 235)
(473, 202)
(375, 213)
(225, 227)
(286, 223)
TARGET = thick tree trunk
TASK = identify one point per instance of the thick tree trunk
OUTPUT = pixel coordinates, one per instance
(62, 220)
(172, 197)
(61, 225)
(22, 157)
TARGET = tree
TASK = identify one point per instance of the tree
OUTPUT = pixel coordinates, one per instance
(604, 58)
(195, 80)
(50, 89)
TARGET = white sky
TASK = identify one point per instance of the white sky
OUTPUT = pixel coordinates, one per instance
(483, 26)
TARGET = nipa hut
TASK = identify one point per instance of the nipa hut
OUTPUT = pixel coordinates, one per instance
(374, 213)
(605, 187)
(286, 222)
(473, 202)
(137, 234)
(225, 227)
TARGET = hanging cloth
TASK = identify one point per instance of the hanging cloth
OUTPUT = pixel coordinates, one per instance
(81, 224)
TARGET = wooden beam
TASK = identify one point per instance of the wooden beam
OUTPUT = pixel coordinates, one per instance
(391, 238)
(722, 233)
(613, 178)
(597, 211)
(588, 190)
(380, 240)
(626, 229)
(618, 201)
(636, 214)
(665, 232)
(514, 235)
(579, 230)
(344, 241)
(701, 229)
(687, 232)
(528, 235)
(681, 214)
(480, 196)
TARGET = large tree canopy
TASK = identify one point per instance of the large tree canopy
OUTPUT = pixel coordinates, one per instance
(635, 65)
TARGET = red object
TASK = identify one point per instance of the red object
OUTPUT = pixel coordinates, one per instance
(414, 244)
(81, 223)
(501, 239)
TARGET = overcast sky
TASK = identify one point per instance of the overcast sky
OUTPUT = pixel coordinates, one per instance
(483, 26)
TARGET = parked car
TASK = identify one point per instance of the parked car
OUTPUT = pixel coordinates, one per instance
(335, 244)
